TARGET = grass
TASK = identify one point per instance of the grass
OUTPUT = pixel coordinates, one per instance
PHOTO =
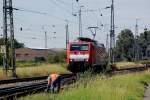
(41, 70)
(121, 87)
(125, 64)
(2, 74)
(27, 63)
(145, 61)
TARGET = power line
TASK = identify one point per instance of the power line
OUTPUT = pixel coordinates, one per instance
(35, 38)
(93, 14)
(37, 12)
(27, 37)
(41, 13)
(32, 11)
(59, 6)
(65, 3)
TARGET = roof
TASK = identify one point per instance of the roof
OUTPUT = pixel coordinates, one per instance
(84, 39)
(34, 51)
(87, 40)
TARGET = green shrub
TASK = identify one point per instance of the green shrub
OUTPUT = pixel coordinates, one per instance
(39, 59)
(27, 63)
(100, 87)
(59, 57)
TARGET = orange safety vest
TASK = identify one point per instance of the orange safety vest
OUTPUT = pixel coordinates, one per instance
(52, 78)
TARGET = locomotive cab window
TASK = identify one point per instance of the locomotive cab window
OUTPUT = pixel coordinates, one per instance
(79, 47)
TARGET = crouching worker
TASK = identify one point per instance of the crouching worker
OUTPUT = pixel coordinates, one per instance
(54, 83)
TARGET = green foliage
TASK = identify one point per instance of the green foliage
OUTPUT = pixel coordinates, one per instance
(40, 69)
(143, 42)
(98, 87)
(59, 57)
(27, 63)
(16, 43)
(124, 45)
(39, 59)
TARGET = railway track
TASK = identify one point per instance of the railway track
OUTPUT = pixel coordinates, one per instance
(9, 93)
(35, 84)
(128, 70)
(28, 79)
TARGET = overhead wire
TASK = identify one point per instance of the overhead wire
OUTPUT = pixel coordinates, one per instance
(55, 2)
(34, 37)
(42, 13)
(32, 11)
(65, 3)
(37, 12)
(46, 14)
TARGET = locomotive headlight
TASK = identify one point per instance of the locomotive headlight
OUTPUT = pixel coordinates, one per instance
(80, 57)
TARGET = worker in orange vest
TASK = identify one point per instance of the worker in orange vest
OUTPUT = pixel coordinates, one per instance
(54, 81)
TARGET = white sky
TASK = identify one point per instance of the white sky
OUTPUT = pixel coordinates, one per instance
(126, 12)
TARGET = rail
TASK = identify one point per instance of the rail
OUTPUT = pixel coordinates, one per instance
(128, 70)
(11, 92)
(27, 79)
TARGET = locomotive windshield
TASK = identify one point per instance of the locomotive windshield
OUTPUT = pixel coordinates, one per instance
(79, 47)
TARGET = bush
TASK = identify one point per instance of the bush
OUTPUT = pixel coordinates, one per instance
(27, 63)
(59, 57)
(39, 59)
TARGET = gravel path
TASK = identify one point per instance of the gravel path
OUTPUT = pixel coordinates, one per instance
(147, 93)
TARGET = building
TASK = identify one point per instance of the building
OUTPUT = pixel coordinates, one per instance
(28, 54)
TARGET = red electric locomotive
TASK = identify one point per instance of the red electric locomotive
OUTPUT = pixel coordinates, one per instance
(86, 53)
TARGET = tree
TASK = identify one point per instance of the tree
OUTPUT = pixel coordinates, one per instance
(16, 43)
(144, 42)
(124, 45)
(59, 57)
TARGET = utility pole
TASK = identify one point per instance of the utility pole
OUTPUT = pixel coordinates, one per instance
(45, 43)
(80, 21)
(107, 43)
(67, 33)
(146, 40)
(8, 29)
(45, 40)
(136, 50)
(112, 35)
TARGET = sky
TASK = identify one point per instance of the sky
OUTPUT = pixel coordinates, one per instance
(36, 17)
